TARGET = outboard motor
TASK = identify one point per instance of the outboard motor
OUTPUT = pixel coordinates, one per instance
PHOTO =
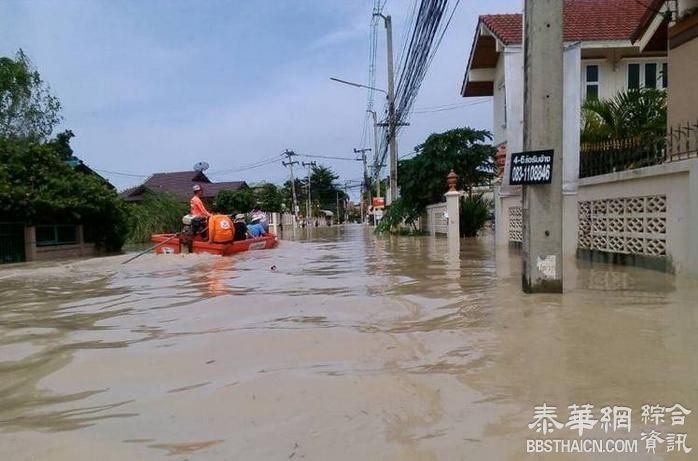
(193, 226)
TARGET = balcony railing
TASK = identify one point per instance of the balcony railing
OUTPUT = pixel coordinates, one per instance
(613, 155)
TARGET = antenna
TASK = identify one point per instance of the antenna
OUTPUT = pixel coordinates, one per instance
(200, 166)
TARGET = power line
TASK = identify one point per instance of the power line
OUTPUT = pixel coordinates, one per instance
(119, 173)
(448, 108)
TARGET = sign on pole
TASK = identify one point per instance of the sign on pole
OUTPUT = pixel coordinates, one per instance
(533, 167)
(378, 202)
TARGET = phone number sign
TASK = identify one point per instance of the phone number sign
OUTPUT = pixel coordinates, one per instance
(534, 167)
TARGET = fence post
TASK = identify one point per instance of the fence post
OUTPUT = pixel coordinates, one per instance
(453, 210)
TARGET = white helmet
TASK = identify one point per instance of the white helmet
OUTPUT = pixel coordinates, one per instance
(196, 188)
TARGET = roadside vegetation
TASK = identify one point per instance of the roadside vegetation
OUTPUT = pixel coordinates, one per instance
(640, 114)
(39, 180)
(422, 180)
(156, 214)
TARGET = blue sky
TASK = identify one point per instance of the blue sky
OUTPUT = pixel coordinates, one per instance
(157, 85)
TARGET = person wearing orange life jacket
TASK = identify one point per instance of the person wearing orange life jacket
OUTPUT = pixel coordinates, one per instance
(196, 206)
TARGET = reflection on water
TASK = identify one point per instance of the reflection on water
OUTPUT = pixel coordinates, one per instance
(352, 347)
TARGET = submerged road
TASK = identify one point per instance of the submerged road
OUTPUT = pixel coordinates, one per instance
(352, 348)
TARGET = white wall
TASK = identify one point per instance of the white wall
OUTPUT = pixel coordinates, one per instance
(499, 104)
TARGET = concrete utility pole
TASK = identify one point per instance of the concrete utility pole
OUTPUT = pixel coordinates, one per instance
(376, 168)
(366, 189)
(289, 155)
(308, 206)
(392, 119)
(542, 204)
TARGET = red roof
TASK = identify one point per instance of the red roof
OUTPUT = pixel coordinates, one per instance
(584, 20)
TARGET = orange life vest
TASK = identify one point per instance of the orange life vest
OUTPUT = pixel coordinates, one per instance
(220, 229)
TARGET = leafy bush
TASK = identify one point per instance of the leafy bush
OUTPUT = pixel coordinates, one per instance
(156, 214)
(396, 214)
(474, 213)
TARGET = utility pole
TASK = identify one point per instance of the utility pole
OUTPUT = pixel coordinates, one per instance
(376, 171)
(337, 207)
(542, 122)
(392, 119)
(346, 200)
(366, 190)
(289, 155)
(308, 206)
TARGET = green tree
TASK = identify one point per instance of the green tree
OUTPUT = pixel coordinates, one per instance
(37, 186)
(638, 114)
(231, 202)
(422, 179)
(269, 197)
(324, 191)
(27, 107)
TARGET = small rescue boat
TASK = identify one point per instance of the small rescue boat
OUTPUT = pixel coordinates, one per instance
(170, 244)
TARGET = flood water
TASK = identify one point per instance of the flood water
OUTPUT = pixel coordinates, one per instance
(353, 348)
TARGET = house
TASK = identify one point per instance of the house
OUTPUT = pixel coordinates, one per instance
(600, 59)
(677, 21)
(180, 184)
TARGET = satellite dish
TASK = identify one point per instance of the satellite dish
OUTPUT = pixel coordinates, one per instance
(200, 166)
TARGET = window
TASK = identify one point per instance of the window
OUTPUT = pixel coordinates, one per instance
(647, 75)
(56, 235)
(633, 76)
(591, 82)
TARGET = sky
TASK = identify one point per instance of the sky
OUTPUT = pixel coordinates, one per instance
(157, 85)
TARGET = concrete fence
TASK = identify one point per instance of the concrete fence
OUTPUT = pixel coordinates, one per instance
(646, 216)
(436, 222)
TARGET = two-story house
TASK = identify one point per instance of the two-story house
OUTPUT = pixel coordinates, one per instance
(600, 59)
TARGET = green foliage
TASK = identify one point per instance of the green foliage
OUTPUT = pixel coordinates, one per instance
(324, 191)
(232, 202)
(156, 214)
(396, 214)
(27, 107)
(474, 213)
(37, 186)
(269, 197)
(630, 114)
(422, 179)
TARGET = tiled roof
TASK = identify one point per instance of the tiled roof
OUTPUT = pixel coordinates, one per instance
(584, 20)
(180, 183)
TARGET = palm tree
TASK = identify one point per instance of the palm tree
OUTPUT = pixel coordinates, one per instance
(636, 114)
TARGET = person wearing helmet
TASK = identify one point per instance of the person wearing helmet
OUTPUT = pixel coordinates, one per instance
(196, 206)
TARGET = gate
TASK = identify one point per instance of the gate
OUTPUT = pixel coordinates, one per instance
(11, 243)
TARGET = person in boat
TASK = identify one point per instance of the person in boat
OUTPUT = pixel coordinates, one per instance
(196, 205)
(255, 228)
(240, 227)
(261, 217)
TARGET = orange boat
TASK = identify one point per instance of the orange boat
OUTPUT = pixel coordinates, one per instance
(170, 244)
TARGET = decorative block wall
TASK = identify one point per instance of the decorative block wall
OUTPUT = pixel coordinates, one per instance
(515, 224)
(628, 225)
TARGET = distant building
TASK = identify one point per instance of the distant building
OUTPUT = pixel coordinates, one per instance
(180, 184)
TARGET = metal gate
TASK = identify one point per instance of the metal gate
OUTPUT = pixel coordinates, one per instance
(11, 243)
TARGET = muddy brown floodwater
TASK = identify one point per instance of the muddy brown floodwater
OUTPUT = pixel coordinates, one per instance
(354, 348)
